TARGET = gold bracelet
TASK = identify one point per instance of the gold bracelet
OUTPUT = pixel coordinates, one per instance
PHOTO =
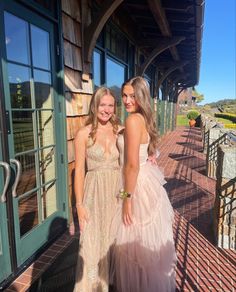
(123, 194)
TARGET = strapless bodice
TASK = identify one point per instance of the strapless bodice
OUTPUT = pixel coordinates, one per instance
(143, 151)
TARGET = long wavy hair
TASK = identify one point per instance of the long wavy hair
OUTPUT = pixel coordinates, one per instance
(142, 97)
(93, 110)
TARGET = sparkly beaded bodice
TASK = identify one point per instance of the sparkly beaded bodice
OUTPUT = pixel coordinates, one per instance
(97, 158)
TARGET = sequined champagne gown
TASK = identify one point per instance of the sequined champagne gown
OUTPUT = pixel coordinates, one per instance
(143, 254)
(100, 201)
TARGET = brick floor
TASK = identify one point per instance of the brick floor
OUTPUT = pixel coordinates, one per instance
(201, 266)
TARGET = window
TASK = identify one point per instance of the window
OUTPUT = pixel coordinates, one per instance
(115, 79)
(113, 63)
(97, 78)
(150, 77)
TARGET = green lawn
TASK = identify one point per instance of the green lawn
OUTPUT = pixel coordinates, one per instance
(227, 123)
(224, 121)
(182, 120)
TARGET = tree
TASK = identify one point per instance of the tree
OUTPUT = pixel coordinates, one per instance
(197, 96)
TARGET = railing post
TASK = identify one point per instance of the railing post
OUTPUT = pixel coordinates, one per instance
(216, 137)
(225, 202)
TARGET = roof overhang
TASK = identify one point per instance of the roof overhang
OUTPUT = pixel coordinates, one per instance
(159, 23)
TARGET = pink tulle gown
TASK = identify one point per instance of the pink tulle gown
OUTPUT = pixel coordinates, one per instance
(143, 255)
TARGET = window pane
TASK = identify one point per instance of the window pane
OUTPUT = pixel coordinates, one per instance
(16, 39)
(115, 79)
(42, 85)
(19, 82)
(40, 48)
(108, 37)
(47, 164)
(49, 200)
(97, 69)
(131, 57)
(116, 43)
(45, 128)
(28, 213)
(23, 135)
(28, 177)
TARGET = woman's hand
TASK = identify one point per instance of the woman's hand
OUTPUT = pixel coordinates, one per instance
(127, 212)
(152, 159)
(82, 216)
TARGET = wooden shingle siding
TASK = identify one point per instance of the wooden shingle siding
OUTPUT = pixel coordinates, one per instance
(78, 122)
(70, 173)
(77, 29)
(71, 151)
(72, 8)
(69, 109)
(72, 56)
(68, 54)
(73, 125)
(71, 30)
(77, 104)
(77, 58)
(87, 86)
(69, 128)
(73, 80)
(71, 168)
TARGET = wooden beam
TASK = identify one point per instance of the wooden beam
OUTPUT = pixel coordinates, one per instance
(186, 18)
(165, 64)
(178, 77)
(169, 71)
(159, 16)
(92, 31)
(177, 93)
(173, 5)
(152, 42)
(159, 49)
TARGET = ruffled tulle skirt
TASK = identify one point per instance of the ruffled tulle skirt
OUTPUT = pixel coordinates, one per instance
(143, 254)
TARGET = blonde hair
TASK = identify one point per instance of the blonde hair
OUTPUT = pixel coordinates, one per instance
(142, 97)
(93, 110)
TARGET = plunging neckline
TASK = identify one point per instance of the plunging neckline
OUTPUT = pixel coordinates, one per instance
(103, 149)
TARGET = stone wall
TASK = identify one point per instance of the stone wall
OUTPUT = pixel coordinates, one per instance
(220, 148)
(216, 137)
(225, 203)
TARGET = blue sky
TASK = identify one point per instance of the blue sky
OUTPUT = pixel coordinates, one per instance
(218, 57)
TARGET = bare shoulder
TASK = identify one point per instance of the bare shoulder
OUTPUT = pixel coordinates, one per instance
(83, 133)
(133, 126)
(134, 119)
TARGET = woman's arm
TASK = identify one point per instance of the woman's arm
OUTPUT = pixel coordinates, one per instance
(80, 154)
(131, 169)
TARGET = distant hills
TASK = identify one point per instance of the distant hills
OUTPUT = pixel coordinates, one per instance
(222, 102)
(224, 105)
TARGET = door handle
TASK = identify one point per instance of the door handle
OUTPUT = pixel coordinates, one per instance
(18, 175)
(7, 168)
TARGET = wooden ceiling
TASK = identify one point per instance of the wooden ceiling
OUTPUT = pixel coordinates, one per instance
(169, 32)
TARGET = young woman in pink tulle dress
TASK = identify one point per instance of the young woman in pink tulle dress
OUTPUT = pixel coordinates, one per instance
(143, 255)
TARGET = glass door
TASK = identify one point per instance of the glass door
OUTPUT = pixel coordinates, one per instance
(36, 135)
(4, 242)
